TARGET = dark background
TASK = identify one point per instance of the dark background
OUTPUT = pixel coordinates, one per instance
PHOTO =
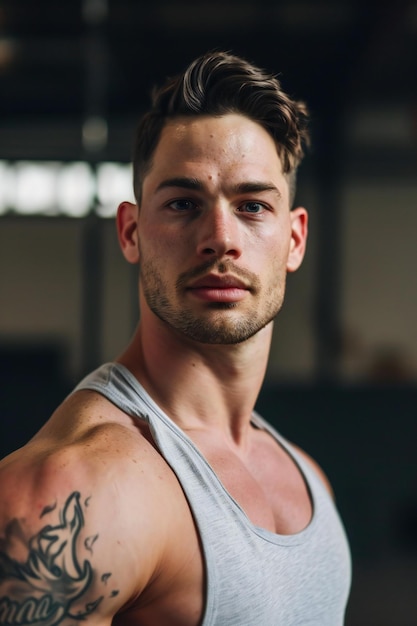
(63, 62)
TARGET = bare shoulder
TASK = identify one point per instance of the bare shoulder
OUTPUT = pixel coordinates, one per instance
(316, 467)
(75, 542)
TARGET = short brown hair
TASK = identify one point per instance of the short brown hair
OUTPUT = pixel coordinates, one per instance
(218, 83)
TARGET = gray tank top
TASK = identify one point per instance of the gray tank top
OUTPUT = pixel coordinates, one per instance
(254, 577)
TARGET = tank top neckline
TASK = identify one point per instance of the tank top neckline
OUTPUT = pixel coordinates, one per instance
(306, 472)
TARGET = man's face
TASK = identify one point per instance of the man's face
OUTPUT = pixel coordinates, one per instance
(216, 236)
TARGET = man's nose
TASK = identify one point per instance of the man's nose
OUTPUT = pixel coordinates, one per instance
(219, 233)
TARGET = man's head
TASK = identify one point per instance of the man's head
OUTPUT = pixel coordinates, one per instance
(215, 84)
(215, 165)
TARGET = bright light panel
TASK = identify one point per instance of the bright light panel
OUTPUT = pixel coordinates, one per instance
(56, 188)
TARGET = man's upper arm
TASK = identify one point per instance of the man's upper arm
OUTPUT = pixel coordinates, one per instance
(66, 547)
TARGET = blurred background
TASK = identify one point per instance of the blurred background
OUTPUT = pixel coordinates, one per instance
(74, 78)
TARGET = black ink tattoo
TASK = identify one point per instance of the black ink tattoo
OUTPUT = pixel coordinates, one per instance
(105, 577)
(89, 542)
(48, 587)
(48, 509)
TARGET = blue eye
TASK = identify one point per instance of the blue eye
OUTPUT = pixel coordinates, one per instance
(252, 207)
(182, 205)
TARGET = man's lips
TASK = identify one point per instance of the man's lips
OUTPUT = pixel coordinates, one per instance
(218, 282)
(214, 288)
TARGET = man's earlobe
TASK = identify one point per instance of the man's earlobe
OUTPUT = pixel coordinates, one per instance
(127, 231)
(299, 229)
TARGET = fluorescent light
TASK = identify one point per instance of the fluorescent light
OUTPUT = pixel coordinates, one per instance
(75, 189)
(56, 188)
(35, 187)
(114, 184)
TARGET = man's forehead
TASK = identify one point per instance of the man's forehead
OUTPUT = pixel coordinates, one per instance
(232, 136)
(231, 147)
(184, 126)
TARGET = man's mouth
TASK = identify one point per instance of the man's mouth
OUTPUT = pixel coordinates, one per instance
(215, 288)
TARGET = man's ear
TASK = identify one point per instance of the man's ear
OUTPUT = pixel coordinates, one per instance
(299, 223)
(127, 231)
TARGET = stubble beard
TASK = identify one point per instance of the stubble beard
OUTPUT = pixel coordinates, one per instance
(219, 327)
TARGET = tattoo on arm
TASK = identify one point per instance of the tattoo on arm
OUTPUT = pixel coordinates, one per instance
(51, 585)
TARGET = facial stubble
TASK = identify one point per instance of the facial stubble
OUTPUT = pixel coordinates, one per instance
(218, 327)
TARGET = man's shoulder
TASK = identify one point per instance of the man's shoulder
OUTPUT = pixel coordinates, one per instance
(87, 444)
(81, 506)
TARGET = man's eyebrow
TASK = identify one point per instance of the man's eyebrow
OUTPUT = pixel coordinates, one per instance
(181, 181)
(195, 184)
(256, 186)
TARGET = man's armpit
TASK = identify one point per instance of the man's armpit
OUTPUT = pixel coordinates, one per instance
(49, 577)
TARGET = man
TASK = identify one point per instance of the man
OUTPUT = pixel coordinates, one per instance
(155, 495)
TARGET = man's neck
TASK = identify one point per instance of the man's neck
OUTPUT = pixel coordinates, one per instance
(199, 385)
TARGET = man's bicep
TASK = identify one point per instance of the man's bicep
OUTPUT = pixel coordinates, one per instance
(47, 569)
(80, 532)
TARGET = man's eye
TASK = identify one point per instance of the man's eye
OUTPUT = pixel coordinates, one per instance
(182, 205)
(252, 207)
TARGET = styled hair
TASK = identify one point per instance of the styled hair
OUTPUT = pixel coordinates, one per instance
(215, 84)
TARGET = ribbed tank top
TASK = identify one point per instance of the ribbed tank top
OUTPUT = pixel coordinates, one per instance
(254, 577)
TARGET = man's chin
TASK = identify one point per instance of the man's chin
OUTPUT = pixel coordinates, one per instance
(221, 334)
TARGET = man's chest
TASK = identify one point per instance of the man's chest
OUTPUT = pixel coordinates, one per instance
(266, 483)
